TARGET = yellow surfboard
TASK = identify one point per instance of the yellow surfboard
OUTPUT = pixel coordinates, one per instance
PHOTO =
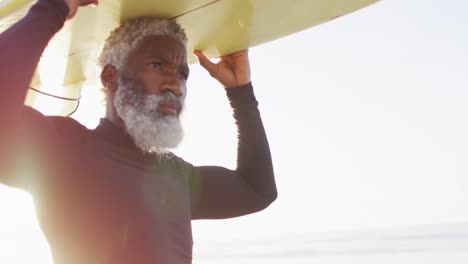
(215, 26)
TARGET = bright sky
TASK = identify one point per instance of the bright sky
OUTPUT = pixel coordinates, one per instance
(367, 118)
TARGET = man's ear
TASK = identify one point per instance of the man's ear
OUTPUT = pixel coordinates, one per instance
(109, 77)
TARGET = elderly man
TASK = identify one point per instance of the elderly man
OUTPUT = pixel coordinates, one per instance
(115, 194)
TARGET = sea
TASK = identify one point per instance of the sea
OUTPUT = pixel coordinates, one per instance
(427, 245)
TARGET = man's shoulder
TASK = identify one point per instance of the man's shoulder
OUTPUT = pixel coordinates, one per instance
(183, 166)
(69, 130)
(68, 124)
(34, 120)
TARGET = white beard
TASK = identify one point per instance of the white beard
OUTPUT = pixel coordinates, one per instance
(150, 130)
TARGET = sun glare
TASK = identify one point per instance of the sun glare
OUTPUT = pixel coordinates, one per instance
(22, 241)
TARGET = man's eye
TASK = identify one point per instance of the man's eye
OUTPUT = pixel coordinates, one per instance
(183, 75)
(155, 64)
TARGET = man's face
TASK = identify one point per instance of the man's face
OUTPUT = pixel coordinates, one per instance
(151, 91)
(159, 64)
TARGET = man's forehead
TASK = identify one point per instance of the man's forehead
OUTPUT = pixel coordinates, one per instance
(163, 47)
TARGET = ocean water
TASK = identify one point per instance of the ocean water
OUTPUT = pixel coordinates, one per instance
(440, 245)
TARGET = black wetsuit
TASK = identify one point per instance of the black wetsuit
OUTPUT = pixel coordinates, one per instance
(98, 198)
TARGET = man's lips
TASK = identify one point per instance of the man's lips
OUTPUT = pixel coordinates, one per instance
(169, 108)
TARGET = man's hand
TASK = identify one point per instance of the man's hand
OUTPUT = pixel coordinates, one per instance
(74, 4)
(232, 70)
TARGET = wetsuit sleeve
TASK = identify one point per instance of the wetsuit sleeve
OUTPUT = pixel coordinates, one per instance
(21, 47)
(222, 193)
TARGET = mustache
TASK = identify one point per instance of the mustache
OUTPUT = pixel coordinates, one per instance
(151, 103)
(168, 97)
(173, 101)
(137, 96)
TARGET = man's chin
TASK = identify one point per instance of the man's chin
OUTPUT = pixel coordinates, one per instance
(158, 137)
(163, 149)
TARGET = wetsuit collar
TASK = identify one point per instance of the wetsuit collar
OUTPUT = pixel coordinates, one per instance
(114, 134)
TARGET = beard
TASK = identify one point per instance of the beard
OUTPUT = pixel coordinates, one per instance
(151, 131)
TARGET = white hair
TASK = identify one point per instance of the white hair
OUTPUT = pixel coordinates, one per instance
(124, 39)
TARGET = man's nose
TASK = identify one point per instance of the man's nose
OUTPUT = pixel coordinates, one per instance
(172, 83)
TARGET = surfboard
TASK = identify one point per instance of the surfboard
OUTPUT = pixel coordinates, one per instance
(216, 27)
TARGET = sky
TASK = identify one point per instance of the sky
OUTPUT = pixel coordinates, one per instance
(367, 119)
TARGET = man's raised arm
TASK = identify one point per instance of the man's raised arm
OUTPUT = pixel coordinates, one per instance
(21, 47)
(222, 193)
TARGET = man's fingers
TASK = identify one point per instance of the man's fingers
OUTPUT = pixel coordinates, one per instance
(90, 2)
(73, 6)
(211, 67)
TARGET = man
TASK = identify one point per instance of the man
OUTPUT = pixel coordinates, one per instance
(115, 194)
